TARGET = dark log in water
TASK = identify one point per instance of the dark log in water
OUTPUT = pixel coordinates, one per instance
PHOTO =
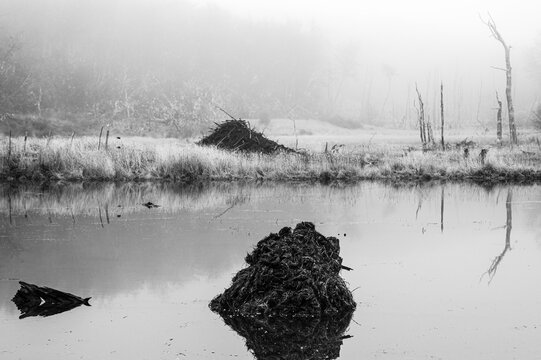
(33, 300)
(150, 205)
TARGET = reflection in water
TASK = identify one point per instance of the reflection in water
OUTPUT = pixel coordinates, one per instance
(310, 339)
(151, 272)
(33, 300)
(491, 272)
(9, 209)
(442, 207)
(104, 200)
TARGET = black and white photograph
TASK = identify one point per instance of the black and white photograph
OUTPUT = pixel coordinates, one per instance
(270, 179)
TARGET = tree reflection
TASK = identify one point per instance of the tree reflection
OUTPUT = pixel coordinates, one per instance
(442, 207)
(491, 272)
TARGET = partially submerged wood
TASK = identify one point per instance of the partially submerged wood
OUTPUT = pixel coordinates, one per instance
(33, 300)
(150, 205)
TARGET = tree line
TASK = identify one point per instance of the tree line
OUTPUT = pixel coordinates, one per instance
(165, 68)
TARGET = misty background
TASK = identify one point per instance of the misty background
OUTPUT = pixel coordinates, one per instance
(161, 67)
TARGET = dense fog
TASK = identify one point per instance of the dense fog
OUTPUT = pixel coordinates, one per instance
(163, 66)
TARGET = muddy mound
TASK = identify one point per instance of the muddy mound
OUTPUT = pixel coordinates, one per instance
(277, 338)
(237, 135)
(292, 274)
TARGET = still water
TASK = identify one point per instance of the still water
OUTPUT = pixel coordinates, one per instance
(441, 271)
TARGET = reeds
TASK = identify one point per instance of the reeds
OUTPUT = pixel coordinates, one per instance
(79, 159)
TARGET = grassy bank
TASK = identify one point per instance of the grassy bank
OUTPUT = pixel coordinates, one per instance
(129, 159)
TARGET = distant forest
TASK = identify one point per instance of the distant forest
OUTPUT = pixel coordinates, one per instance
(161, 67)
(151, 67)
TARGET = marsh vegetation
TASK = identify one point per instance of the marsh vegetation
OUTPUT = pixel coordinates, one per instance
(75, 159)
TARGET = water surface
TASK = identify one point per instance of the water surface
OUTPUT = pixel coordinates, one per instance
(440, 271)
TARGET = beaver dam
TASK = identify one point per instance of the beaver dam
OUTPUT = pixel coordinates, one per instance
(292, 274)
(237, 135)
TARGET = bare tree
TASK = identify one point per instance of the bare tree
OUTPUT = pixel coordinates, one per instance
(442, 119)
(499, 118)
(510, 109)
(421, 115)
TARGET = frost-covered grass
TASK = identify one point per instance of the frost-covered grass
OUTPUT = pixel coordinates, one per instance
(133, 159)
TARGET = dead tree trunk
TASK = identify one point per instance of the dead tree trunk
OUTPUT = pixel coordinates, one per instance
(499, 119)
(430, 134)
(442, 119)
(419, 119)
(422, 123)
(510, 109)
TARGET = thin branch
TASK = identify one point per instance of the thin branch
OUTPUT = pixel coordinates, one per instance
(536, 115)
(225, 112)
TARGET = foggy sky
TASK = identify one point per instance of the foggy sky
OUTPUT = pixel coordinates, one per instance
(390, 45)
(423, 39)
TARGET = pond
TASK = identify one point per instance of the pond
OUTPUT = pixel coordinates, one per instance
(440, 271)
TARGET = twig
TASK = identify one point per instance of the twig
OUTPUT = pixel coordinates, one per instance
(537, 116)
(48, 139)
(223, 212)
(107, 213)
(225, 112)
(9, 146)
(101, 219)
(99, 140)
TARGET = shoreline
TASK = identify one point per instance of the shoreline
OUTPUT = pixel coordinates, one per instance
(79, 160)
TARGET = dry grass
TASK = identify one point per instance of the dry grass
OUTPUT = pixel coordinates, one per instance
(130, 159)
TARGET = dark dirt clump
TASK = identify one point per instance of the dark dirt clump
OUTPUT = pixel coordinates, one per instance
(237, 135)
(291, 275)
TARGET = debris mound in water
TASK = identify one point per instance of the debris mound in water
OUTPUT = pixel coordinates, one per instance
(292, 274)
(237, 135)
(278, 338)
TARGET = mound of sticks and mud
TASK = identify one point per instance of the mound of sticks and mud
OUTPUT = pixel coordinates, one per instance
(292, 274)
(237, 135)
(290, 302)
